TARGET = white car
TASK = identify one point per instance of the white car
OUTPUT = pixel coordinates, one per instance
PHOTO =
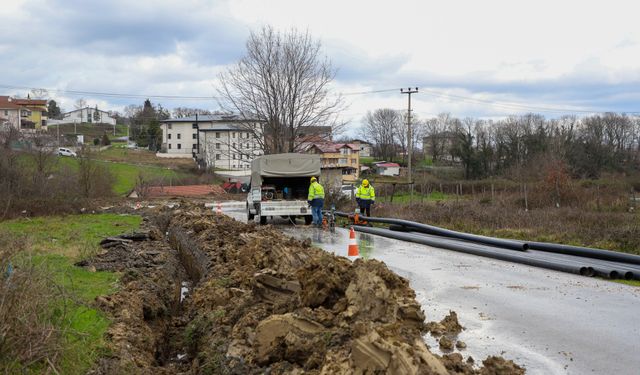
(66, 152)
(348, 191)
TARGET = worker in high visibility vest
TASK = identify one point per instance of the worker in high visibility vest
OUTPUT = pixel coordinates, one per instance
(316, 201)
(365, 197)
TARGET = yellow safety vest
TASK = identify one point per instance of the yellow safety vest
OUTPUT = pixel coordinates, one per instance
(315, 191)
(366, 193)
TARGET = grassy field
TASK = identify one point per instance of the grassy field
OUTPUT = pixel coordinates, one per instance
(57, 243)
(90, 131)
(126, 174)
(121, 154)
(417, 197)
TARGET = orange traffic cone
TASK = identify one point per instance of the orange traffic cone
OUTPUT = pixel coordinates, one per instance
(219, 208)
(353, 244)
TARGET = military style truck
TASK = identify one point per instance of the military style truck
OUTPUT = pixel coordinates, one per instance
(280, 185)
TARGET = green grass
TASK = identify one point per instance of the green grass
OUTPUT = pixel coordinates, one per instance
(127, 174)
(433, 196)
(58, 243)
(635, 283)
(90, 130)
(70, 235)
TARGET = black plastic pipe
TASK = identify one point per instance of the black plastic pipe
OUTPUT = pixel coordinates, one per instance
(430, 229)
(470, 248)
(585, 252)
(580, 251)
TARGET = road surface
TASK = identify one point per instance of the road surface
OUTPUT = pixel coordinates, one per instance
(548, 321)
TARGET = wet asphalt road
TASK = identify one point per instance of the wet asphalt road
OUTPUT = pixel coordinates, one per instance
(550, 322)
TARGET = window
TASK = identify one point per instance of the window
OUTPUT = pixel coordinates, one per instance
(195, 146)
(345, 151)
(353, 161)
(179, 136)
(179, 145)
(194, 126)
(168, 135)
(217, 156)
(233, 135)
(194, 136)
(342, 161)
(217, 146)
(169, 146)
(234, 156)
(217, 134)
(234, 165)
(6, 113)
(247, 145)
(169, 126)
(234, 145)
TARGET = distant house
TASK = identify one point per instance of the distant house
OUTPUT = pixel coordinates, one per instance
(365, 147)
(342, 156)
(387, 169)
(23, 113)
(309, 135)
(216, 141)
(88, 115)
(9, 113)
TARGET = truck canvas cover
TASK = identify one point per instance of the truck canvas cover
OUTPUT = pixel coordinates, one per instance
(284, 165)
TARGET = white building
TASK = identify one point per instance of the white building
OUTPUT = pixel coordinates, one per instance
(88, 115)
(388, 169)
(217, 141)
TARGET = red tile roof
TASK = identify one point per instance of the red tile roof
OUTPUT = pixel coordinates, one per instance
(39, 102)
(184, 191)
(334, 147)
(5, 103)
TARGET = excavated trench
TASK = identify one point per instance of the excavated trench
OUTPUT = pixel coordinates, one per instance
(258, 301)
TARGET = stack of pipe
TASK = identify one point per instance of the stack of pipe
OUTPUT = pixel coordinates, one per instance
(573, 259)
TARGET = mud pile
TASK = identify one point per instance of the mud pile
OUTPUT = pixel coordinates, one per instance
(263, 302)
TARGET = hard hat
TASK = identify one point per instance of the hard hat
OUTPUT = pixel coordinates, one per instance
(313, 179)
(365, 182)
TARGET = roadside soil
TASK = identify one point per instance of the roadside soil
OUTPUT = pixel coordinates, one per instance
(204, 294)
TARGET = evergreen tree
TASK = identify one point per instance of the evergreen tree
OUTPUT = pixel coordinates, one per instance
(96, 115)
(53, 109)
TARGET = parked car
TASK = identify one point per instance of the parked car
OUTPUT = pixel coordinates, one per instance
(66, 152)
(348, 190)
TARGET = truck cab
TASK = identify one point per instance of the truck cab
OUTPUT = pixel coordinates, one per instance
(280, 186)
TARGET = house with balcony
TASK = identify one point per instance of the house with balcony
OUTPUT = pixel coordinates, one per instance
(23, 113)
(9, 113)
(33, 113)
(216, 141)
(341, 156)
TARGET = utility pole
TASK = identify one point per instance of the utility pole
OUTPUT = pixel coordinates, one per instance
(409, 91)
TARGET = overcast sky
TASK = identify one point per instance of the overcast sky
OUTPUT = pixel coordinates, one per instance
(469, 58)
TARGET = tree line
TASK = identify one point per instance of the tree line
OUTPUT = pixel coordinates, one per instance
(584, 147)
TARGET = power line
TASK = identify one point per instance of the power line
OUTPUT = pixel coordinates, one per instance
(494, 103)
(111, 94)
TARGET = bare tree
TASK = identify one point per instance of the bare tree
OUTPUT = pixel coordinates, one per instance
(282, 83)
(381, 129)
(80, 104)
(180, 112)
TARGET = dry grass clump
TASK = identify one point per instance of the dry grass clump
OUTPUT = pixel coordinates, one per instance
(29, 337)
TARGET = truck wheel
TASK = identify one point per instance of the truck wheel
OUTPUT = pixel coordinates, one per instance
(308, 219)
(263, 220)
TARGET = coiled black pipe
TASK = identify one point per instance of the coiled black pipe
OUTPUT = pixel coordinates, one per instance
(474, 249)
(430, 229)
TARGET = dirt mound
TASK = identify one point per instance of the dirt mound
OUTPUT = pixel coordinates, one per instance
(263, 302)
